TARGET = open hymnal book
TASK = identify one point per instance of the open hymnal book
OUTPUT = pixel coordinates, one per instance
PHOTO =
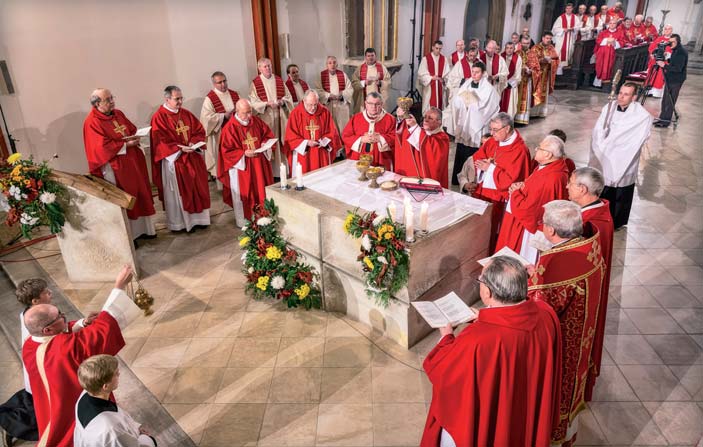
(266, 146)
(193, 146)
(505, 251)
(143, 132)
(448, 309)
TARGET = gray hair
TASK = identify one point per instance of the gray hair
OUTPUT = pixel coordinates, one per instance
(168, 91)
(311, 92)
(555, 145)
(565, 217)
(506, 278)
(649, 18)
(37, 318)
(374, 95)
(591, 178)
(95, 97)
(504, 119)
(262, 60)
(437, 113)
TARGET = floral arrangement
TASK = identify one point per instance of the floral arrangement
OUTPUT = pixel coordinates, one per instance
(384, 255)
(272, 267)
(29, 196)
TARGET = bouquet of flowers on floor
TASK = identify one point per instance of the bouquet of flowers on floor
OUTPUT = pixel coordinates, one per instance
(384, 255)
(29, 196)
(272, 267)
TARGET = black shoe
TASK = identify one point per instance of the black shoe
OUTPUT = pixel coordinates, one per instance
(147, 236)
(661, 124)
(136, 243)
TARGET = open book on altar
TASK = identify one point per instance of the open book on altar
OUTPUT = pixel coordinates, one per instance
(448, 309)
(505, 251)
(266, 146)
(195, 146)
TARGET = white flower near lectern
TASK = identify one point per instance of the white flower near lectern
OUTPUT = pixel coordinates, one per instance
(26, 219)
(263, 221)
(382, 260)
(377, 221)
(366, 242)
(278, 282)
(47, 197)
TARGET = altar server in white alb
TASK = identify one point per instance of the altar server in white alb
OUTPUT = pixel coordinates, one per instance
(432, 77)
(565, 29)
(99, 421)
(616, 145)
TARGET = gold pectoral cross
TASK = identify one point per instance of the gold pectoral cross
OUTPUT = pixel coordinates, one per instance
(249, 142)
(119, 128)
(312, 127)
(182, 129)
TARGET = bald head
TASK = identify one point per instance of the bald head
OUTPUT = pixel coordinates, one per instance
(243, 110)
(102, 100)
(43, 319)
(310, 101)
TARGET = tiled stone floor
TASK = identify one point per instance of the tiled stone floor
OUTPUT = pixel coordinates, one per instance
(233, 371)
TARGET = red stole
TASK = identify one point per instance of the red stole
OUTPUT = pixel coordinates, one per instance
(363, 69)
(605, 55)
(569, 278)
(567, 36)
(466, 68)
(495, 62)
(303, 126)
(430, 161)
(325, 79)
(436, 86)
(291, 88)
(217, 104)
(505, 96)
(261, 90)
(455, 57)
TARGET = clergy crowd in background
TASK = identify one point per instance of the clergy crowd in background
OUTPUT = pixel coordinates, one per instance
(521, 372)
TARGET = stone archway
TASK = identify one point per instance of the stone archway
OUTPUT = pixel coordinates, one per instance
(484, 19)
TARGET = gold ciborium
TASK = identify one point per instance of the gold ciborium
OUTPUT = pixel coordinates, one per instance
(404, 104)
(362, 167)
(373, 173)
(368, 158)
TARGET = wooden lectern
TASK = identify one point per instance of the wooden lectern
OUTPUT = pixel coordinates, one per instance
(96, 240)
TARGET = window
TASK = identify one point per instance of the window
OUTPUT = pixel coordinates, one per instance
(372, 23)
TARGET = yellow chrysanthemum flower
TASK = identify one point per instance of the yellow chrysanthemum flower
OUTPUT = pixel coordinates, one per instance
(302, 291)
(385, 232)
(14, 158)
(16, 171)
(273, 253)
(262, 283)
(347, 223)
(244, 241)
(368, 262)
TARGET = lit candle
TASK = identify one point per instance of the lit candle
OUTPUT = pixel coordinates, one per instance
(409, 225)
(284, 177)
(392, 210)
(299, 176)
(406, 205)
(424, 216)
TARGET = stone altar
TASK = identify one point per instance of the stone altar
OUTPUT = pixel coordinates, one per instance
(440, 261)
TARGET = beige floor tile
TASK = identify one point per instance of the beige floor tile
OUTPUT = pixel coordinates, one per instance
(398, 424)
(345, 425)
(208, 352)
(296, 385)
(680, 422)
(653, 321)
(219, 324)
(635, 296)
(267, 305)
(186, 300)
(689, 274)
(617, 322)
(233, 425)
(132, 347)
(347, 352)
(305, 324)
(289, 425)
(161, 352)
(674, 297)
(346, 385)
(157, 380)
(589, 432)
(262, 324)
(676, 349)
(691, 378)
(626, 423)
(176, 324)
(630, 350)
(337, 327)
(192, 418)
(654, 383)
(227, 300)
(194, 385)
(245, 385)
(611, 386)
(691, 320)
(305, 351)
(254, 352)
(397, 384)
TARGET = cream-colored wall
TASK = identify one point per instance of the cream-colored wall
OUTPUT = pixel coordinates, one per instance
(58, 51)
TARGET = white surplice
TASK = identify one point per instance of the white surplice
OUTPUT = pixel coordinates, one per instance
(562, 37)
(501, 76)
(359, 85)
(341, 110)
(514, 82)
(430, 87)
(142, 224)
(212, 122)
(472, 108)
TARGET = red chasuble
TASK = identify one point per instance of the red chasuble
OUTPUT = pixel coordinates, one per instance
(102, 137)
(304, 126)
(618, 15)
(358, 126)
(257, 175)
(599, 217)
(291, 88)
(658, 81)
(650, 32)
(568, 278)
(512, 164)
(497, 382)
(639, 31)
(507, 92)
(430, 161)
(51, 367)
(168, 130)
(541, 187)
(605, 55)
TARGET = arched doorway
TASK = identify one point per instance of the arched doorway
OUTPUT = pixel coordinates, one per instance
(484, 20)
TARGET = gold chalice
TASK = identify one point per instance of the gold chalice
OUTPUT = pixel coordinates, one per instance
(362, 167)
(368, 158)
(404, 104)
(373, 173)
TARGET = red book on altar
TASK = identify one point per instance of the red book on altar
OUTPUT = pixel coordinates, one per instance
(426, 185)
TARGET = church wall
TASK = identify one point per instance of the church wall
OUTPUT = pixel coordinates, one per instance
(58, 52)
(685, 16)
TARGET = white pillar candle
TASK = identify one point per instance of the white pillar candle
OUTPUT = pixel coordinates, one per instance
(299, 176)
(284, 177)
(392, 210)
(424, 211)
(406, 206)
(409, 225)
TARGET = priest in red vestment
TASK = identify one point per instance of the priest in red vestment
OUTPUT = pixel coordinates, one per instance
(585, 187)
(608, 40)
(656, 79)
(640, 29)
(178, 165)
(371, 132)
(616, 13)
(424, 151)
(295, 84)
(569, 277)
(500, 162)
(52, 355)
(523, 212)
(114, 154)
(497, 382)
(650, 31)
(243, 168)
(628, 32)
(311, 136)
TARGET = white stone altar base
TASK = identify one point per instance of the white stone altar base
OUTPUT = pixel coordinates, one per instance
(441, 261)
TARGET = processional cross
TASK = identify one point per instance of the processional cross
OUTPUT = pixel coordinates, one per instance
(249, 142)
(119, 128)
(312, 127)
(182, 129)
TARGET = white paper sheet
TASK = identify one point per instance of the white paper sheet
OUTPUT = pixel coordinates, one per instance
(194, 146)
(505, 251)
(266, 146)
(143, 132)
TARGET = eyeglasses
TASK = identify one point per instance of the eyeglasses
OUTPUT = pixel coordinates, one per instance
(61, 315)
(110, 99)
(495, 131)
(539, 148)
(180, 98)
(374, 104)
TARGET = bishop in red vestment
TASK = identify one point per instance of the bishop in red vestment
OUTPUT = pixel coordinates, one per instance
(585, 187)
(424, 151)
(569, 277)
(311, 136)
(244, 173)
(497, 382)
(114, 154)
(52, 356)
(500, 162)
(523, 211)
(371, 132)
(650, 31)
(178, 167)
(656, 80)
(608, 40)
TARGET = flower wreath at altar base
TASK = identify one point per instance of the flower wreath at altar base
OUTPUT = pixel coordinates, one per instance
(272, 268)
(30, 196)
(384, 254)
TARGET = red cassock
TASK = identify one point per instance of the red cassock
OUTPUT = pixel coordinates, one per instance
(650, 32)
(512, 164)
(429, 160)
(639, 33)
(541, 187)
(605, 55)
(102, 137)
(305, 126)
(357, 126)
(568, 278)
(497, 382)
(658, 81)
(168, 130)
(257, 175)
(599, 217)
(62, 355)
